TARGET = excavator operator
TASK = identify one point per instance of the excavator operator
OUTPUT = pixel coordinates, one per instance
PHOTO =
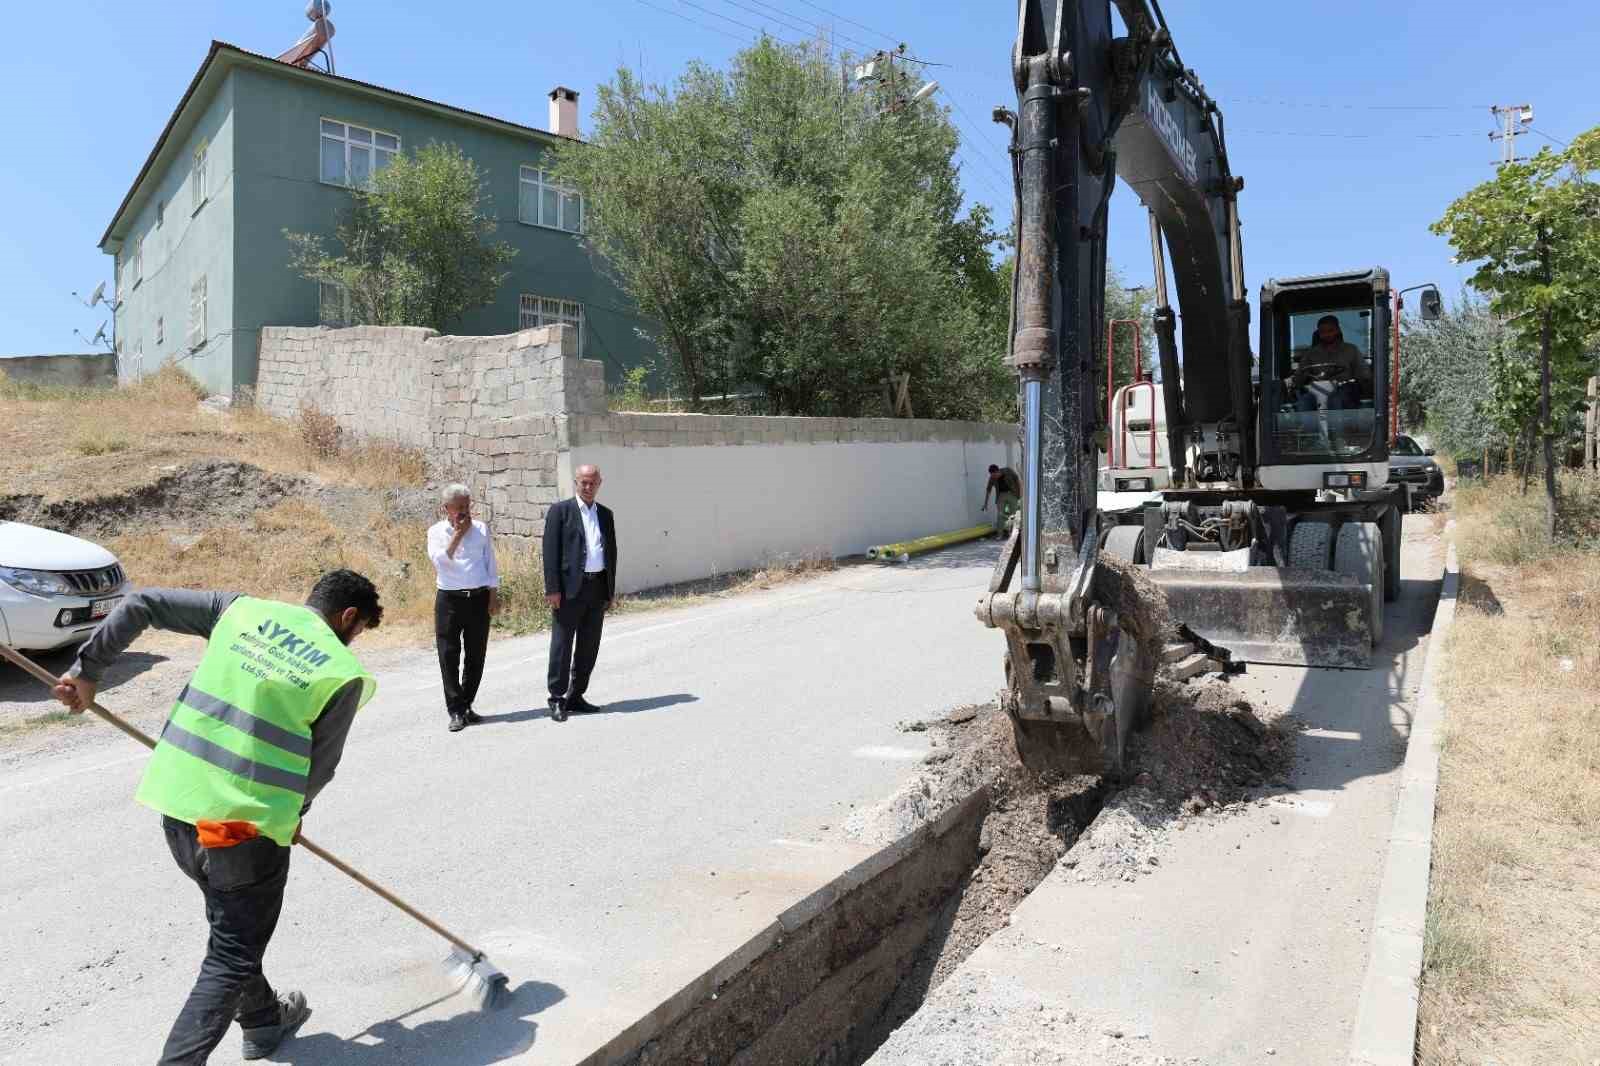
(1330, 374)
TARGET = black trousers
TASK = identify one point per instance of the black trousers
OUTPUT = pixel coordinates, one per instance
(577, 621)
(461, 620)
(243, 889)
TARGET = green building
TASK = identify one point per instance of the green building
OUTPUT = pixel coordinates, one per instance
(257, 147)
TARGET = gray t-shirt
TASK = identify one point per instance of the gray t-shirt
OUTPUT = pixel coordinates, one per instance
(197, 614)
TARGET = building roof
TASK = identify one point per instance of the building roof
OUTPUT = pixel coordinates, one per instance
(223, 56)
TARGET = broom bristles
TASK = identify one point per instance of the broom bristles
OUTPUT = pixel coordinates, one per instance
(481, 980)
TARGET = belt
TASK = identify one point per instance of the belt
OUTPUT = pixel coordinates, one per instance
(464, 592)
(593, 575)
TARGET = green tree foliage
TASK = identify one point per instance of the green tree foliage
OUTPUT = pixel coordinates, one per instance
(1448, 378)
(792, 236)
(416, 248)
(1534, 230)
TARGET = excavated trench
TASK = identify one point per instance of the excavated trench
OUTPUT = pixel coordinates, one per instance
(965, 842)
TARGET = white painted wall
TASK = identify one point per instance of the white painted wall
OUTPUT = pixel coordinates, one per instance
(685, 513)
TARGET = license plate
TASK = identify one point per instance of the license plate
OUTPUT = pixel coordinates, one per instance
(101, 608)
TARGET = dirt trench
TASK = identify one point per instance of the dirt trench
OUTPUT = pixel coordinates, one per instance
(964, 842)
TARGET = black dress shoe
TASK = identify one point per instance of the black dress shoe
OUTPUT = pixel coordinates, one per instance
(580, 705)
(472, 717)
(457, 723)
(558, 710)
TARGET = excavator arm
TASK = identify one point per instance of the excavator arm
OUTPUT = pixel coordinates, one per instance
(1093, 104)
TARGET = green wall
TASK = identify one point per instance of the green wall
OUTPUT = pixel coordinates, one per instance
(277, 180)
(186, 244)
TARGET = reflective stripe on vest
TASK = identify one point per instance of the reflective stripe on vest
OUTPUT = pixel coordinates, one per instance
(237, 744)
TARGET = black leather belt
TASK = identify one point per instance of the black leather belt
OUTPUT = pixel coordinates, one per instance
(465, 592)
(593, 575)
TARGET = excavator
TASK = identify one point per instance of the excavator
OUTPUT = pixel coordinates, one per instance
(1273, 533)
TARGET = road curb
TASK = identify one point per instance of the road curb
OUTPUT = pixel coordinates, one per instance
(1386, 1021)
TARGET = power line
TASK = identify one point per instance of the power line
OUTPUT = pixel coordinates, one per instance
(818, 26)
(1546, 136)
(1331, 106)
(1355, 136)
(853, 22)
(759, 31)
(782, 21)
(692, 21)
(962, 111)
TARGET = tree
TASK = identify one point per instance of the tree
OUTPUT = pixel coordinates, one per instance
(1535, 231)
(416, 244)
(1448, 379)
(790, 235)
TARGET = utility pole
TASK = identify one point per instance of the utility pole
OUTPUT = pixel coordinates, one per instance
(1513, 120)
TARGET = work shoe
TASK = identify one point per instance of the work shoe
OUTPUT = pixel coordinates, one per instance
(458, 722)
(558, 710)
(264, 1039)
(472, 717)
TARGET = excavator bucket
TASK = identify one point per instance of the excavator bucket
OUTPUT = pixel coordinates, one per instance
(1269, 614)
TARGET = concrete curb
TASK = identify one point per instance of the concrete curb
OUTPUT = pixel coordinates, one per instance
(632, 1040)
(1386, 1022)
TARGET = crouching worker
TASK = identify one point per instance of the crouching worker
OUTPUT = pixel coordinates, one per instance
(251, 740)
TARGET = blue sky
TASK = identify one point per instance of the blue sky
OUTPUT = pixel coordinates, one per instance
(1352, 124)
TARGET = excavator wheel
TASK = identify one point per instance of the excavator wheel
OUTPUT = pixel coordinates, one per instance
(1311, 546)
(1359, 553)
(1390, 525)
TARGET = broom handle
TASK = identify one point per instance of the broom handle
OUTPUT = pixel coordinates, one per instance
(40, 673)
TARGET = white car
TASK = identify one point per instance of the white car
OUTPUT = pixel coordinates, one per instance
(54, 588)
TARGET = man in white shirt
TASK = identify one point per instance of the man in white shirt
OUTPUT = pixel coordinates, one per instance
(580, 580)
(469, 583)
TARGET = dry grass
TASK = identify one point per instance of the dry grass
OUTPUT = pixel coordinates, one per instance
(78, 443)
(1512, 949)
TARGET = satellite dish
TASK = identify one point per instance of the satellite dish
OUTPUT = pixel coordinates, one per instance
(98, 294)
(99, 334)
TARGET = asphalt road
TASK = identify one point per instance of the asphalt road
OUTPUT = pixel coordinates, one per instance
(1248, 941)
(602, 863)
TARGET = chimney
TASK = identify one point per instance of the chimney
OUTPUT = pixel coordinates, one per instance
(563, 112)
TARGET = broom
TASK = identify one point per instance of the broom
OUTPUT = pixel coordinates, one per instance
(465, 963)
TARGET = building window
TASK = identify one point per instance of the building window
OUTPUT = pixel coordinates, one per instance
(536, 311)
(334, 307)
(138, 261)
(161, 330)
(542, 201)
(352, 154)
(161, 212)
(198, 190)
(197, 313)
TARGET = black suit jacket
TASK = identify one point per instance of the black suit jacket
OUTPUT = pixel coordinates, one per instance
(565, 549)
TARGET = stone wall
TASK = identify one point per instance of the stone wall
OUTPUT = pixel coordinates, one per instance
(88, 371)
(485, 410)
(513, 416)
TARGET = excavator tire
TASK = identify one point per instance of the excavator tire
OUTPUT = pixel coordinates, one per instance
(1311, 546)
(1391, 526)
(1359, 553)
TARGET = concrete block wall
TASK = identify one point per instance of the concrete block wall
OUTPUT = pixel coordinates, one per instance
(513, 416)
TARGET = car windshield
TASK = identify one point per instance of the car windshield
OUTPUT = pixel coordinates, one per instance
(1405, 446)
(1326, 406)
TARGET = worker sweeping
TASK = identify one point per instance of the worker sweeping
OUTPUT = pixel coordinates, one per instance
(253, 737)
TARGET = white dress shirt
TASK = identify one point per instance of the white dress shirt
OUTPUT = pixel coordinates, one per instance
(594, 559)
(472, 566)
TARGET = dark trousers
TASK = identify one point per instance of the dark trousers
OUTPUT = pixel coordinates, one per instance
(461, 619)
(576, 620)
(243, 889)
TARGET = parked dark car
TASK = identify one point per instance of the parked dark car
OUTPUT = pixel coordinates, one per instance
(1413, 465)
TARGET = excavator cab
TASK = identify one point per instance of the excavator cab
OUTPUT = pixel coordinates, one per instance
(1324, 376)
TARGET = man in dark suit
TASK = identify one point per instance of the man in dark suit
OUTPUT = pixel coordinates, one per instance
(580, 580)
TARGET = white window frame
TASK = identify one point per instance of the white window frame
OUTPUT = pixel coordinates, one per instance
(138, 261)
(352, 138)
(197, 314)
(539, 182)
(199, 190)
(534, 311)
(340, 315)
